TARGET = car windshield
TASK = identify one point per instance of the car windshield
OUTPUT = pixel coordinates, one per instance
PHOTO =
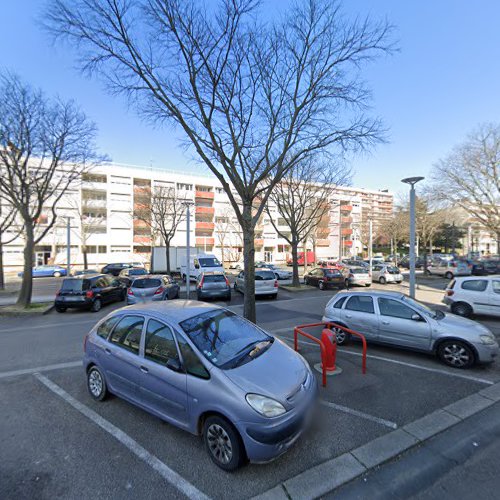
(225, 338)
(264, 275)
(393, 270)
(214, 278)
(146, 283)
(137, 272)
(75, 285)
(423, 308)
(209, 262)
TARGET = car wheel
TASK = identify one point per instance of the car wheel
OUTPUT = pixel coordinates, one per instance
(382, 280)
(321, 285)
(223, 443)
(96, 384)
(456, 354)
(341, 336)
(96, 305)
(448, 275)
(60, 309)
(462, 309)
(57, 274)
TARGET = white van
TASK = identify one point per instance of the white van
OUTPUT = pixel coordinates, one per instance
(201, 263)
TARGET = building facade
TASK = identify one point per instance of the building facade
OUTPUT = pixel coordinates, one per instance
(103, 214)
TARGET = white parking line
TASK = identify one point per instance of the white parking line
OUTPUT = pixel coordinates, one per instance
(367, 416)
(46, 368)
(424, 368)
(166, 472)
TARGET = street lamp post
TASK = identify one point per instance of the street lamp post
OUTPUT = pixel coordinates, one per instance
(68, 245)
(188, 249)
(370, 243)
(412, 181)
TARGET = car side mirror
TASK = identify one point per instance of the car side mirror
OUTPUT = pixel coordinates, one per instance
(174, 365)
(416, 317)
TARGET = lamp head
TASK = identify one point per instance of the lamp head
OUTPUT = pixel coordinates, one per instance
(412, 180)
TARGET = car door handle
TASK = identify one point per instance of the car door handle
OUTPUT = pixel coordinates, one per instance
(348, 315)
(144, 369)
(107, 350)
(386, 322)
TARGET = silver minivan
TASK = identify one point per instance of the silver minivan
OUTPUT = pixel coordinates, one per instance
(395, 319)
(205, 370)
(265, 282)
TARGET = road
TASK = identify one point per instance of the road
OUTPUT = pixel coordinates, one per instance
(57, 442)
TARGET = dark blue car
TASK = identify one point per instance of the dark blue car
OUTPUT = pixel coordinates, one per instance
(45, 271)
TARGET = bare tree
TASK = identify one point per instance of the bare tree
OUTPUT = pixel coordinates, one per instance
(228, 234)
(10, 229)
(302, 199)
(163, 215)
(246, 93)
(44, 147)
(396, 229)
(470, 178)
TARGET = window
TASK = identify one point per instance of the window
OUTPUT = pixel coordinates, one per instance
(160, 344)
(339, 303)
(475, 285)
(360, 303)
(393, 308)
(146, 283)
(191, 361)
(496, 286)
(264, 276)
(127, 333)
(105, 328)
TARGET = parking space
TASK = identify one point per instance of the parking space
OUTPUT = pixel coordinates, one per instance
(60, 442)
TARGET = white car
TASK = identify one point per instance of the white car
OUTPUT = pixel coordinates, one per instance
(265, 283)
(201, 263)
(449, 268)
(281, 274)
(386, 273)
(474, 295)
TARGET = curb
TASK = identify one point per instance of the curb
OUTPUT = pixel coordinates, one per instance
(303, 288)
(330, 475)
(20, 312)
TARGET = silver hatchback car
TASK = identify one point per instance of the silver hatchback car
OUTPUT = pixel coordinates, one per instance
(152, 288)
(395, 319)
(206, 370)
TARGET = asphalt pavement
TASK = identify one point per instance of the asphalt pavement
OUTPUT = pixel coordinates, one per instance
(58, 442)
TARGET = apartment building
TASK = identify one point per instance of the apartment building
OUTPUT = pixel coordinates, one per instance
(104, 213)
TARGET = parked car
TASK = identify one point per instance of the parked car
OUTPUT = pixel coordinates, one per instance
(80, 272)
(468, 296)
(162, 357)
(386, 273)
(213, 286)
(279, 273)
(89, 292)
(152, 288)
(358, 276)
(201, 263)
(325, 277)
(405, 262)
(46, 271)
(355, 263)
(449, 268)
(265, 283)
(115, 269)
(491, 266)
(126, 275)
(237, 265)
(395, 319)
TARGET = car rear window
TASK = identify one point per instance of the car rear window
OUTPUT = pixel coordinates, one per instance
(264, 275)
(393, 270)
(137, 272)
(214, 278)
(146, 283)
(75, 285)
(209, 262)
(332, 272)
(475, 285)
(358, 271)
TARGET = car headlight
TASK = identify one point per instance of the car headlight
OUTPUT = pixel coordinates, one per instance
(265, 406)
(487, 339)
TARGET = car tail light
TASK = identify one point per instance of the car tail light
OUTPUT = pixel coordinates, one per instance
(227, 281)
(160, 290)
(201, 282)
(130, 291)
(89, 294)
(449, 293)
(275, 283)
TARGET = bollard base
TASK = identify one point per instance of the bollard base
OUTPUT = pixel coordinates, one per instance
(337, 370)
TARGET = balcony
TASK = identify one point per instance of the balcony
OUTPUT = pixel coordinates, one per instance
(94, 186)
(205, 241)
(204, 195)
(346, 220)
(204, 210)
(145, 240)
(205, 225)
(348, 243)
(87, 203)
(346, 232)
(323, 243)
(259, 242)
(345, 208)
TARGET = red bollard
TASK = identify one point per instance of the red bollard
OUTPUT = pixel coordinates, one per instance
(329, 340)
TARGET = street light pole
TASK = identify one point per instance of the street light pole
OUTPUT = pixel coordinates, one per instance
(412, 181)
(370, 243)
(68, 245)
(188, 252)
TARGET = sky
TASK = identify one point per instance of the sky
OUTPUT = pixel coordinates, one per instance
(441, 84)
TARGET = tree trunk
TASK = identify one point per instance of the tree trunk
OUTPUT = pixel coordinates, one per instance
(222, 253)
(167, 255)
(306, 262)
(85, 258)
(249, 310)
(24, 298)
(498, 243)
(2, 280)
(295, 264)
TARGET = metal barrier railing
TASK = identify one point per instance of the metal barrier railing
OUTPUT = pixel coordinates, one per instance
(328, 352)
